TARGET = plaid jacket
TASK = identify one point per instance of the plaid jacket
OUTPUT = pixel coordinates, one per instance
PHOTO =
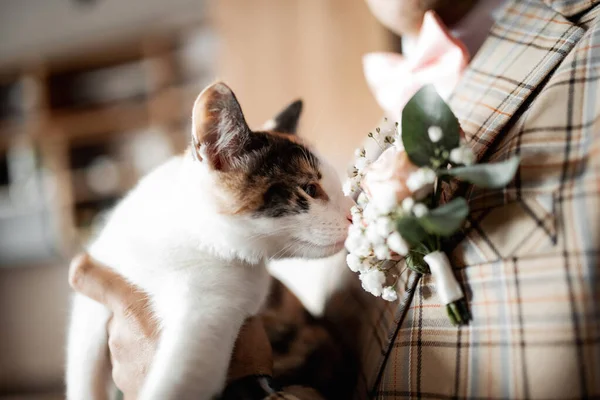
(528, 258)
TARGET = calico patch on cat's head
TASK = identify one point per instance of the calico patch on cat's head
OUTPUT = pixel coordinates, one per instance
(269, 176)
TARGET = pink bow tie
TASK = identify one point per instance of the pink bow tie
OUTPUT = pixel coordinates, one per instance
(438, 59)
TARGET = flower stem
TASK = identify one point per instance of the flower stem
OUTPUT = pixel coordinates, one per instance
(458, 312)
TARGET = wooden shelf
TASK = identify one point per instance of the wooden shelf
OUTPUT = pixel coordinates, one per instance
(63, 130)
(124, 116)
(82, 192)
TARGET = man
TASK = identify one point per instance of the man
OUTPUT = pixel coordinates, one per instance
(528, 259)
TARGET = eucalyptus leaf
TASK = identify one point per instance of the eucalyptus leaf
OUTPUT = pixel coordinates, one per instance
(445, 220)
(415, 262)
(496, 175)
(425, 109)
(410, 229)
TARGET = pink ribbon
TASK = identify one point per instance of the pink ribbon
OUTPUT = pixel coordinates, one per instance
(438, 59)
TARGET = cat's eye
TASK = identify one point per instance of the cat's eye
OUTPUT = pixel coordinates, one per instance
(310, 189)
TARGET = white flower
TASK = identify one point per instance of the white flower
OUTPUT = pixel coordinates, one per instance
(389, 294)
(384, 225)
(381, 251)
(397, 244)
(386, 199)
(356, 213)
(372, 281)
(362, 199)
(355, 210)
(360, 152)
(348, 187)
(435, 133)
(407, 204)
(423, 178)
(364, 249)
(361, 163)
(354, 262)
(420, 210)
(373, 235)
(371, 212)
(368, 264)
(462, 155)
(355, 230)
(355, 238)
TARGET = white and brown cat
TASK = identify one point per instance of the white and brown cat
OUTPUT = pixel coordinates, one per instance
(195, 234)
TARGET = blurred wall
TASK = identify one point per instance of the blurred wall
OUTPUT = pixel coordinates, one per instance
(273, 51)
(35, 28)
(34, 303)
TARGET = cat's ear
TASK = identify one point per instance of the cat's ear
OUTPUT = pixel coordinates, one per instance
(219, 129)
(287, 119)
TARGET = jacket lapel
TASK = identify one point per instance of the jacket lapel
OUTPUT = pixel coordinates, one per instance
(527, 43)
(570, 8)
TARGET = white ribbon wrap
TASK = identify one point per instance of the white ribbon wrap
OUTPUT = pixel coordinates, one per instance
(447, 287)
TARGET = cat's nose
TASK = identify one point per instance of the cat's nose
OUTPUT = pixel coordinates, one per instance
(347, 204)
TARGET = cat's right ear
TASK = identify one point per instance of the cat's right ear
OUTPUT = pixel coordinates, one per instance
(287, 119)
(219, 129)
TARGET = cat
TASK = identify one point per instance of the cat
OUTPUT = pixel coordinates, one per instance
(196, 234)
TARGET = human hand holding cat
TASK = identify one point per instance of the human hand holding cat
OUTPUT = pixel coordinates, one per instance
(134, 333)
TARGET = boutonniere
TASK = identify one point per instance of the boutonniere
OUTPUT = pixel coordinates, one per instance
(399, 219)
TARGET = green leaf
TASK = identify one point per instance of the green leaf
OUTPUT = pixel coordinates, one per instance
(446, 219)
(426, 108)
(415, 262)
(410, 229)
(496, 175)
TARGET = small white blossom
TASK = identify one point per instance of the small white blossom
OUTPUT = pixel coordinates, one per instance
(364, 249)
(371, 212)
(407, 204)
(361, 163)
(372, 281)
(354, 262)
(388, 128)
(355, 230)
(462, 155)
(384, 225)
(362, 199)
(373, 235)
(381, 251)
(397, 244)
(355, 210)
(367, 264)
(360, 152)
(389, 294)
(348, 187)
(435, 133)
(420, 178)
(386, 200)
(420, 210)
(356, 213)
(355, 238)
(352, 172)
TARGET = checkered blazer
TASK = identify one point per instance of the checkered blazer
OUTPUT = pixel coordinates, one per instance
(529, 256)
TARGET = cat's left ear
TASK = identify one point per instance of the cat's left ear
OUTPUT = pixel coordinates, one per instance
(287, 119)
(219, 130)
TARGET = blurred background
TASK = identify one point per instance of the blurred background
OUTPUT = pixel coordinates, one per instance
(95, 93)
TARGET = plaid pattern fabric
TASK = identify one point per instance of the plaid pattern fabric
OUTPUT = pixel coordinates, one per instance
(570, 8)
(528, 258)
